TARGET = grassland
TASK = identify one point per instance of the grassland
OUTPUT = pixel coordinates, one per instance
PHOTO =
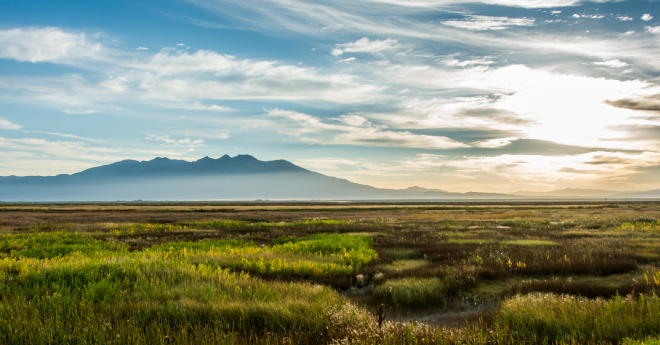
(322, 273)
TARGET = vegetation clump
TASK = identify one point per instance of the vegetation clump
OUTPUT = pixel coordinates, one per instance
(583, 273)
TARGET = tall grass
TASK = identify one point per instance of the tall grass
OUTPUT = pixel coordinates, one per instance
(54, 244)
(83, 295)
(429, 293)
(548, 318)
(639, 227)
(350, 250)
(313, 256)
(137, 228)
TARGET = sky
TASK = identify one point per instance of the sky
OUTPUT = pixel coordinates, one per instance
(484, 95)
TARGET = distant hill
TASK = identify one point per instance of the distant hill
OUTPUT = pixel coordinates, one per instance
(570, 192)
(242, 177)
(165, 167)
(226, 178)
(649, 194)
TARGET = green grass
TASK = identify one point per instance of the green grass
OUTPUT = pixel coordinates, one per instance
(130, 229)
(54, 244)
(548, 318)
(314, 256)
(403, 253)
(639, 227)
(265, 277)
(647, 341)
(350, 250)
(531, 243)
(105, 295)
(411, 292)
(471, 241)
(417, 293)
(403, 265)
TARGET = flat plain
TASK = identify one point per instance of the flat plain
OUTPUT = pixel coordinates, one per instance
(330, 273)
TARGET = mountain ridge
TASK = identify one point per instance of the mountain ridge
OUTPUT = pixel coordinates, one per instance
(242, 177)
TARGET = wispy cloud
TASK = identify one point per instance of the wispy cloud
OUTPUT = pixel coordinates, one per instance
(170, 78)
(64, 135)
(35, 156)
(647, 103)
(355, 130)
(326, 163)
(188, 143)
(8, 125)
(653, 29)
(364, 45)
(489, 23)
(616, 63)
(475, 83)
(47, 45)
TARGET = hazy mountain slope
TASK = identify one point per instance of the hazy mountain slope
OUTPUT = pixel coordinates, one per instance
(163, 167)
(570, 192)
(239, 178)
(651, 194)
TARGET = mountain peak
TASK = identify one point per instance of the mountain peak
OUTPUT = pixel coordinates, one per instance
(245, 158)
(206, 166)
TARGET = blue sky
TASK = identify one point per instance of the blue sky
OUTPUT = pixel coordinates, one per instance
(490, 95)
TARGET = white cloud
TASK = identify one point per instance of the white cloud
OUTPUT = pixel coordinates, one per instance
(364, 45)
(348, 59)
(595, 168)
(585, 167)
(352, 120)
(200, 106)
(535, 103)
(537, 3)
(64, 135)
(653, 29)
(355, 130)
(501, 173)
(624, 18)
(506, 173)
(7, 125)
(489, 23)
(555, 12)
(464, 63)
(188, 143)
(493, 143)
(592, 16)
(328, 163)
(46, 45)
(646, 17)
(80, 111)
(169, 74)
(178, 79)
(35, 147)
(115, 84)
(34, 156)
(141, 48)
(616, 63)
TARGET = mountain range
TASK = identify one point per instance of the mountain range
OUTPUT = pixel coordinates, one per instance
(242, 177)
